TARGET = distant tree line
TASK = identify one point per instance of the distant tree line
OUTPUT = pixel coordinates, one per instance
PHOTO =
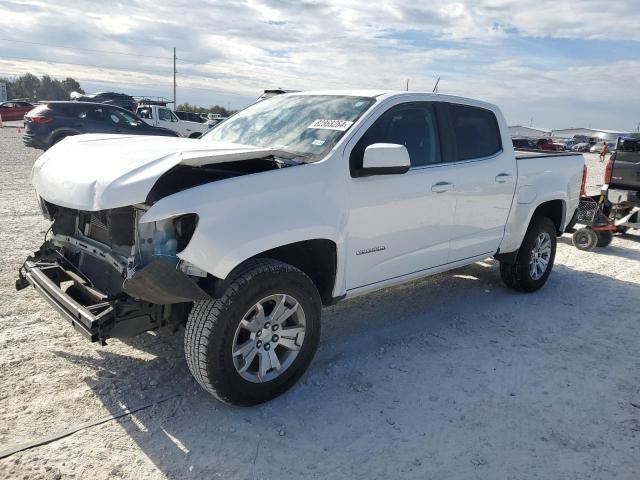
(46, 88)
(43, 88)
(187, 107)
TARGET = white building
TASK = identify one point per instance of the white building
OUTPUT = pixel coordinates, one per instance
(593, 134)
(529, 132)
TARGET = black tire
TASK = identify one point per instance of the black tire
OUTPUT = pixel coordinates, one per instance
(212, 325)
(517, 275)
(59, 138)
(604, 238)
(585, 239)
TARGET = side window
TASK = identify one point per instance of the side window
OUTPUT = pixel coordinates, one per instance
(145, 113)
(115, 117)
(413, 125)
(94, 114)
(476, 132)
(164, 114)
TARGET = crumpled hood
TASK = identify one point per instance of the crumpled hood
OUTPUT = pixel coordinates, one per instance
(99, 172)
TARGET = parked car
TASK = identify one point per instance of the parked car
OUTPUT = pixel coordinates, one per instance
(597, 147)
(272, 92)
(568, 144)
(14, 110)
(524, 143)
(111, 98)
(162, 116)
(50, 122)
(622, 183)
(581, 147)
(296, 202)
(190, 116)
(548, 144)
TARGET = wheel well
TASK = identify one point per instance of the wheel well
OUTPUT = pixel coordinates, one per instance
(553, 210)
(56, 137)
(316, 258)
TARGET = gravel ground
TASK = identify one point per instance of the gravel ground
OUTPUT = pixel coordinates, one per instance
(450, 377)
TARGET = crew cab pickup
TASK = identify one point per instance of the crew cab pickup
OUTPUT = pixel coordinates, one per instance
(161, 116)
(296, 202)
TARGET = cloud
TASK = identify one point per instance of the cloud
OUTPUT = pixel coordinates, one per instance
(523, 52)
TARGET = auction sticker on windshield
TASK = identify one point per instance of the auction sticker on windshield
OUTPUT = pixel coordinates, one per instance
(340, 125)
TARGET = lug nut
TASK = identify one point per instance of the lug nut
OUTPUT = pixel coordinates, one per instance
(267, 346)
(275, 327)
(259, 343)
(267, 325)
(259, 333)
(274, 338)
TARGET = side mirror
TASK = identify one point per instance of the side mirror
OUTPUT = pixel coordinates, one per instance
(384, 159)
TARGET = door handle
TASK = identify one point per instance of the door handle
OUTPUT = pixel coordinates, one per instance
(504, 178)
(441, 187)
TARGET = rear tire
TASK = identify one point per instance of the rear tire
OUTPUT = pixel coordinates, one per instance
(227, 339)
(604, 238)
(585, 239)
(535, 258)
(59, 138)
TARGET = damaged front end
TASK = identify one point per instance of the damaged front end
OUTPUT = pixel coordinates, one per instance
(112, 276)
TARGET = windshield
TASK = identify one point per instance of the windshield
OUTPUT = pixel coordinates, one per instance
(304, 125)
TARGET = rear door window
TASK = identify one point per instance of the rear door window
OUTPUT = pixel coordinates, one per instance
(476, 132)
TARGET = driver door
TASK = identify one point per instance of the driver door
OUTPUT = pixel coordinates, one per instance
(400, 224)
(167, 119)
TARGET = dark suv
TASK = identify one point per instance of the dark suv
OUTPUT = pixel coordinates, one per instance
(50, 122)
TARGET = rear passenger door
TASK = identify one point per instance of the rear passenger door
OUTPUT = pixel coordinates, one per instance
(484, 174)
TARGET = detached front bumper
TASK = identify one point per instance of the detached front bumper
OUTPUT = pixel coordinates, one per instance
(144, 304)
(92, 320)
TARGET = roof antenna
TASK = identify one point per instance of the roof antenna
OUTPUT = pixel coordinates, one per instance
(435, 87)
(407, 85)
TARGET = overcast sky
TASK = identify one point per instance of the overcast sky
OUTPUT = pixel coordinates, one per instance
(554, 63)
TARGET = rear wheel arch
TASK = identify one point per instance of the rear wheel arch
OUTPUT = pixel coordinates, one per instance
(60, 134)
(555, 210)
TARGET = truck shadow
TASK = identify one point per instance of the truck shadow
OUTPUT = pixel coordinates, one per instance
(383, 360)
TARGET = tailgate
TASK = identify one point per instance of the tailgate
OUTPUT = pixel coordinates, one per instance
(626, 170)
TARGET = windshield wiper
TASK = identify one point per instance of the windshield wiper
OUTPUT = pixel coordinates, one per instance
(292, 153)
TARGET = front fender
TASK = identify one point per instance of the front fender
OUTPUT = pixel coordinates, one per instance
(241, 217)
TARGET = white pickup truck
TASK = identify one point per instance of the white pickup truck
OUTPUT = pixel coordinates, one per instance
(297, 202)
(161, 116)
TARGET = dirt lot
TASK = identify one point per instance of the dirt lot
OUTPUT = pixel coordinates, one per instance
(451, 377)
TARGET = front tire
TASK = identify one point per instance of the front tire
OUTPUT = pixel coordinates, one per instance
(535, 258)
(236, 346)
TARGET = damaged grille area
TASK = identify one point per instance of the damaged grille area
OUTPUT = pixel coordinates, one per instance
(111, 227)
